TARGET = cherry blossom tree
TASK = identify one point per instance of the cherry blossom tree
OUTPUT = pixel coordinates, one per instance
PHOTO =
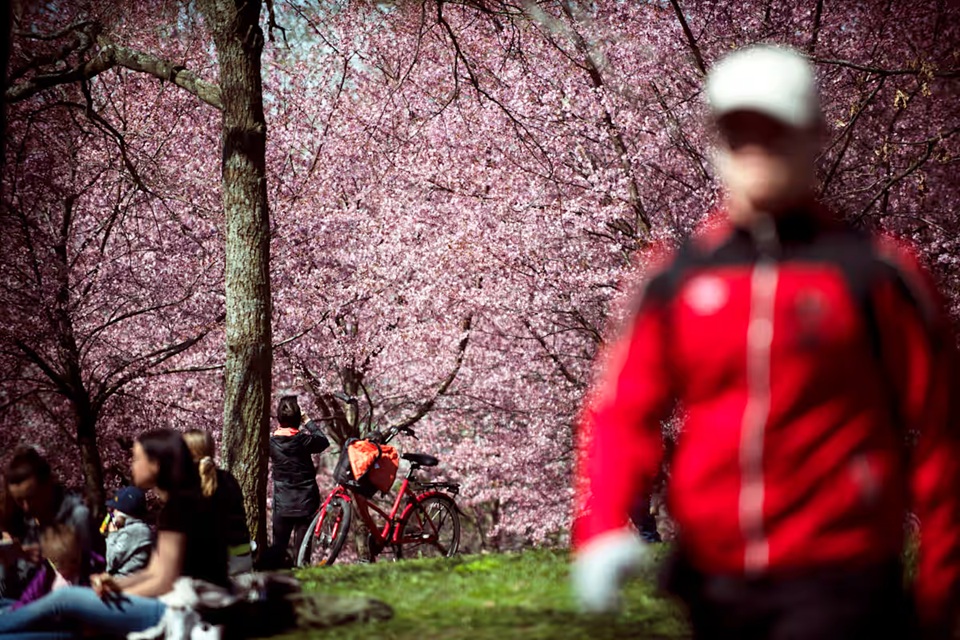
(88, 236)
(506, 163)
(463, 192)
(88, 46)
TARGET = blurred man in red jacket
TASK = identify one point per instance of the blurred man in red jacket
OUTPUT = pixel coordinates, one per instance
(803, 352)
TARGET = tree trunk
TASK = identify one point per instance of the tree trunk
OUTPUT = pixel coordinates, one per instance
(235, 25)
(92, 463)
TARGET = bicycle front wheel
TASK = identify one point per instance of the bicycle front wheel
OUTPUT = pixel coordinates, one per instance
(322, 544)
(431, 529)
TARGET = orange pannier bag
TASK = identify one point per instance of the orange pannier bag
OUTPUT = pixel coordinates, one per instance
(379, 463)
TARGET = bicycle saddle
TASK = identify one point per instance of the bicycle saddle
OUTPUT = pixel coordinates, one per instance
(421, 459)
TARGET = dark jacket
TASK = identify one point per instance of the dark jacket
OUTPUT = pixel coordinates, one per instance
(231, 514)
(295, 490)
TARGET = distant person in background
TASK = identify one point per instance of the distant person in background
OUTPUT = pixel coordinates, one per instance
(803, 351)
(35, 499)
(296, 497)
(129, 539)
(224, 491)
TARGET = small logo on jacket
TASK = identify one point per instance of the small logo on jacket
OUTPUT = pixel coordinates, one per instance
(706, 294)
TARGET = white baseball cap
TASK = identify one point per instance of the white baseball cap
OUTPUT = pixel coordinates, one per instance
(775, 81)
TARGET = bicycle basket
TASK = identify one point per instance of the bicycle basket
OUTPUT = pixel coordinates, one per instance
(343, 474)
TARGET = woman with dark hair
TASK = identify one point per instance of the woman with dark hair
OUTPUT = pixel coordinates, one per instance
(296, 497)
(188, 544)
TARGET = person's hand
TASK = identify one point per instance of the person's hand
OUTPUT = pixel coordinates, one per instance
(104, 585)
(601, 567)
(112, 527)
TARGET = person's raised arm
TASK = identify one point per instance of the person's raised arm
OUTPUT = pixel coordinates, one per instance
(314, 439)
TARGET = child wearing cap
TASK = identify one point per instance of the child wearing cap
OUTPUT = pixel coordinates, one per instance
(129, 539)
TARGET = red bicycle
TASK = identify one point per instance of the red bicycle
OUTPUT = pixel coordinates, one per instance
(421, 523)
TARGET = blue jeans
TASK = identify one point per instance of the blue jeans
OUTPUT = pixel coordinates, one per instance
(75, 609)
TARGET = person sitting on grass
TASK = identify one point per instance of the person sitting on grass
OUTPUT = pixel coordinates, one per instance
(34, 499)
(188, 544)
(129, 539)
(65, 564)
(224, 491)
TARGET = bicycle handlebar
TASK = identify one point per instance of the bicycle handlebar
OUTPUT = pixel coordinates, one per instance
(393, 432)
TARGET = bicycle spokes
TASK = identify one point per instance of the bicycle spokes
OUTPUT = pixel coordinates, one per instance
(432, 528)
(327, 535)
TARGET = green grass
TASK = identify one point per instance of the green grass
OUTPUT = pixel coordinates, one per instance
(504, 596)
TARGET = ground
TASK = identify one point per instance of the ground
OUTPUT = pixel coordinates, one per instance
(522, 596)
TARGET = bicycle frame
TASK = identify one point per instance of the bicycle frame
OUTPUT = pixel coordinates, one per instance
(389, 534)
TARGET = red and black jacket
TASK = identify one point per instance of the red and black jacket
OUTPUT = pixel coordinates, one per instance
(802, 357)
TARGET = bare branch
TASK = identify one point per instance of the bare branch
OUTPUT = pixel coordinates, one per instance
(691, 41)
(109, 56)
(426, 406)
(946, 73)
(564, 371)
(272, 23)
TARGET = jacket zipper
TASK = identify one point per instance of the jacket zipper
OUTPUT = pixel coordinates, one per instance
(763, 293)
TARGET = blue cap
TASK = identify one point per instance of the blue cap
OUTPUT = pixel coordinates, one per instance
(129, 500)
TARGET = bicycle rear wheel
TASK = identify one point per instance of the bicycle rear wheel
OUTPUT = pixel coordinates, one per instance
(321, 545)
(430, 529)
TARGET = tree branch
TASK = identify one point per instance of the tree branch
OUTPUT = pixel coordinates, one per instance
(57, 379)
(526, 137)
(155, 358)
(691, 41)
(425, 408)
(590, 64)
(553, 356)
(931, 145)
(947, 73)
(109, 56)
(815, 32)
(848, 137)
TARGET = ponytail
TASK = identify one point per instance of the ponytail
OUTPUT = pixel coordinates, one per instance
(201, 447)
(208, 476)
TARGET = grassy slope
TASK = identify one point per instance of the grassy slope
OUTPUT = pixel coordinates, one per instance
(522, 596)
